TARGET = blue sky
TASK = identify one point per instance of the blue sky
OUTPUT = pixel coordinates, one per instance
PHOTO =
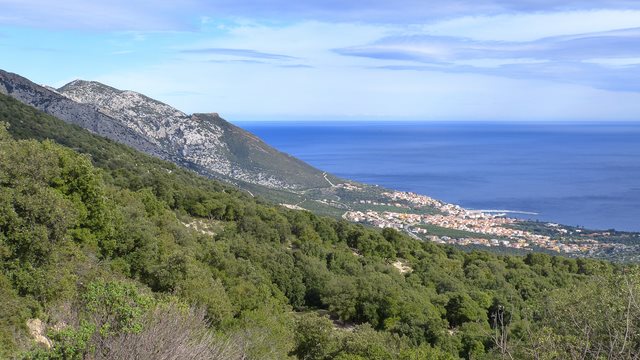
(342, 60)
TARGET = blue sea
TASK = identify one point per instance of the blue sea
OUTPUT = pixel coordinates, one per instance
(585, 174)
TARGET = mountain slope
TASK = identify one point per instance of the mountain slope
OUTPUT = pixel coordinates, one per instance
(205, 143)
(205, 140)
(83, 115)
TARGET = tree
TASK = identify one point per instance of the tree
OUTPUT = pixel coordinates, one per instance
(315, 338)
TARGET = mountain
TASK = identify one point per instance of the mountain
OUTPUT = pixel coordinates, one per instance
(205, 143)
(83, 115)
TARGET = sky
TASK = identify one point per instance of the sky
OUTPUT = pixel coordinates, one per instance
(496, 60)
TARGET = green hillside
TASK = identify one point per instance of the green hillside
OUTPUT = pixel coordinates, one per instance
(121, 255)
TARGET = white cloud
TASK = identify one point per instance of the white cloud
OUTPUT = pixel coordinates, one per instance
(309, 42)
(533, 26)
(614, 62)
(494, 63)
(601, 60)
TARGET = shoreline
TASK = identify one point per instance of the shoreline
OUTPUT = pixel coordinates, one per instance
(491, 211)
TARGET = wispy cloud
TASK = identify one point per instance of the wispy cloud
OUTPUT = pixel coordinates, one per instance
(146, 15)
(237, 61)
(580, 59)
(625, 79)
(112, 15)
(297, 66)
(435, 49)
(259, 62)
(529, 26)
(401, 11)
(246, 53)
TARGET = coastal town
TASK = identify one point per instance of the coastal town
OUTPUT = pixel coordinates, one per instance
(470, 227)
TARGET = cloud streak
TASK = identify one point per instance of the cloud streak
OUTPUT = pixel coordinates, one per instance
(563, 58)
(625, 79)
(401, 11)
(244, 53)
(436, 49)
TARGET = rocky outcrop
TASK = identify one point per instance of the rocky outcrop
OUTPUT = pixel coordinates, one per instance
(37, 329)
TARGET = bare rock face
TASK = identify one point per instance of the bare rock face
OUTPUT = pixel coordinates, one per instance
(167, 128)
(37, 329)
(83, 115)
(205, 143)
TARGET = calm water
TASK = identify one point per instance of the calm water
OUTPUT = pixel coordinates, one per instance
(577, 174)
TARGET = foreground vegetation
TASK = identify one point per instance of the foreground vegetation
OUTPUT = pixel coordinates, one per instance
(121, 255)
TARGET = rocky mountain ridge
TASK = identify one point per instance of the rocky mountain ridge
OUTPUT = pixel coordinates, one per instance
(205, 143)
(84, 115)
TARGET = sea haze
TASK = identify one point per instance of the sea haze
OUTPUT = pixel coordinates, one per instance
(583, 174)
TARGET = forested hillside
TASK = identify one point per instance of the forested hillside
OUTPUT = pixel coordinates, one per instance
(119, 255)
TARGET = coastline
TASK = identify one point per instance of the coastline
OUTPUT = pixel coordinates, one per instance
(577, 174)
(491, 211)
